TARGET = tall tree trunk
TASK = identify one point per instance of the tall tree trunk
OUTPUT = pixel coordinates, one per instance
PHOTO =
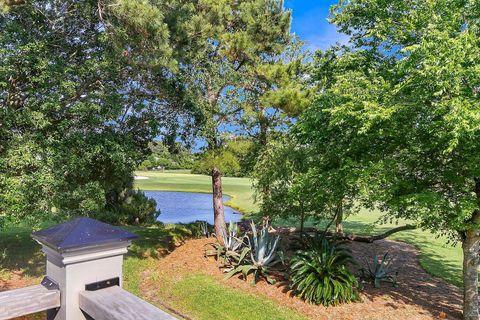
(471, 263)
(339, 219)
(218, 209)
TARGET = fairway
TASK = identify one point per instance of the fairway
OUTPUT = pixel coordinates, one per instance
(436, 256)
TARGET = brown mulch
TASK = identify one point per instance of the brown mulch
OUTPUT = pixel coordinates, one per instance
(17, 280)
(418, 295)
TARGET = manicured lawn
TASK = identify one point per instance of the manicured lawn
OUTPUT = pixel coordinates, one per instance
(436, 256)
(197, 294)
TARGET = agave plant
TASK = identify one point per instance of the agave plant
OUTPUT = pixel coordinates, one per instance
(379, 270)
(229, 249)
(320, 275)
(204, 229)
(264, 254)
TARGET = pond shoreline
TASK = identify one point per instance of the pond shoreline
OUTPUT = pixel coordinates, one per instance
(186, 207)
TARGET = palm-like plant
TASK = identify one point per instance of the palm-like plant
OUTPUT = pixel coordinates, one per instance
(320, 276)
(264, 254)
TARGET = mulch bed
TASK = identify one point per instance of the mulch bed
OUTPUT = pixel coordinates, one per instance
(417, 296)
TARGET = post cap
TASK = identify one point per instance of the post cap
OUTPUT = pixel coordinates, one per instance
(81, 233)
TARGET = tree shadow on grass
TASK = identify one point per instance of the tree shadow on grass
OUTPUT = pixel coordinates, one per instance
(19, 252)
(159, 240)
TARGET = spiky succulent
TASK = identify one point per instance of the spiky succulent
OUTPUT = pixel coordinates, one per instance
(263, 255)
(379, 270)
(229, 248)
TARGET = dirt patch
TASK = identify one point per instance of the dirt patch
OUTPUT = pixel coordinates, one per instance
(418, 295)
(16, 280)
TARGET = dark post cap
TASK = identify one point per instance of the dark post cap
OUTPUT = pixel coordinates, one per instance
(81, 233)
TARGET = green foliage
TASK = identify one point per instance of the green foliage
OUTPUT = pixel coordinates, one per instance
(280, 178)
(224, 40)
(76, 107)
(135, 208)
(236, 159)
(320, 275)
(378, 270)
(225, 161)
(414, 110)
(261, 255)
(169, 157)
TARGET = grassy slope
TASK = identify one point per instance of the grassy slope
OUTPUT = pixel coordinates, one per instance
(437, 257)
(197, 295)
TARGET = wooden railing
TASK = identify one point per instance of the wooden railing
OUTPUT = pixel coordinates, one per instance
(115, 303)
(33, 299)
(83, 279)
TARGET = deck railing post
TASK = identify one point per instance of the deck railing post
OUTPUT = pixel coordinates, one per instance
(79, 253)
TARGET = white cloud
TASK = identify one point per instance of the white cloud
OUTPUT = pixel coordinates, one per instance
(325, 38)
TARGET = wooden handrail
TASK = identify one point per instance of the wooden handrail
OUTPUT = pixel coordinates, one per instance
(114, 303)
(20, 302)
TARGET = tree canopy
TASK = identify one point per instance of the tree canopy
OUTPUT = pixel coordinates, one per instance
(414, 111)
(84, 87)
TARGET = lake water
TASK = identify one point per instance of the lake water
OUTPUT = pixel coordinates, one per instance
(185, 207)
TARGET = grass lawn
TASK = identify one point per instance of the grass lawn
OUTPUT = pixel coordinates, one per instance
(198, 293)
(436, 256)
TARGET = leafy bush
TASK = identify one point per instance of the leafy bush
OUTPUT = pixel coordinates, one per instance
(174, 156)
(225, 161)
(264, 254)
(320, 275)
(135, 208)
(379, 271)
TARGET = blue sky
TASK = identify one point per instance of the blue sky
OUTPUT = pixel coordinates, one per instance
(311, 25)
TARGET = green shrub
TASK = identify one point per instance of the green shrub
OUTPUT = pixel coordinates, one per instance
(320, 275)
(135, 208)
(224, 160)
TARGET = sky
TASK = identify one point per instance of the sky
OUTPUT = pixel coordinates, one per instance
(310, 23)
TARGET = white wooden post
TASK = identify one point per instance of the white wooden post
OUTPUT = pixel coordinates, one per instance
(82, 252)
